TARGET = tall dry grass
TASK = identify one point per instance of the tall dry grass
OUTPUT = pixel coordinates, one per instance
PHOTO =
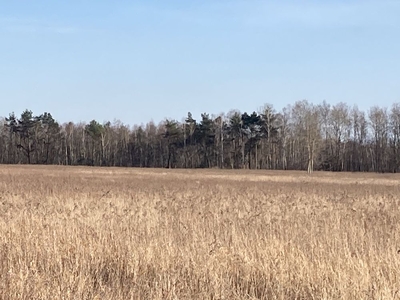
(89, 233)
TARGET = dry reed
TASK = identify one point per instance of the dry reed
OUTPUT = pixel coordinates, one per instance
(93, 233)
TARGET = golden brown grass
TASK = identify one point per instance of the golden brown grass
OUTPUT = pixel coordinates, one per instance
(91, 233)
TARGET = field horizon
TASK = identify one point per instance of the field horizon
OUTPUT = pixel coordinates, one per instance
(71, 232)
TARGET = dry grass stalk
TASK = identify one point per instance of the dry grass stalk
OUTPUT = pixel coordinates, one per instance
(90, 233)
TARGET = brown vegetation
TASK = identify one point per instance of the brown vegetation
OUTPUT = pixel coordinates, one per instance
(91, 233)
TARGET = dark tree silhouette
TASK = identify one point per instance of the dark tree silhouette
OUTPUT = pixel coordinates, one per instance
(299, 137)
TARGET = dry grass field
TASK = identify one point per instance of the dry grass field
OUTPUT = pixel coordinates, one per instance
(108, 233)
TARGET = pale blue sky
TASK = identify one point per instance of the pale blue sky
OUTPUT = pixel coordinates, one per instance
(142, 60)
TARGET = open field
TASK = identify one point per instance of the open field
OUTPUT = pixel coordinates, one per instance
(108, 233)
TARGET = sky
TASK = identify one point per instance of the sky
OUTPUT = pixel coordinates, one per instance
(137, 61)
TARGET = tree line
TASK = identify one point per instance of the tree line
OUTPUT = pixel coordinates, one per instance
(302, 136)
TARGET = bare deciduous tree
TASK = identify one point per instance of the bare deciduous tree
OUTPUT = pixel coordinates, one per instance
(303, 136)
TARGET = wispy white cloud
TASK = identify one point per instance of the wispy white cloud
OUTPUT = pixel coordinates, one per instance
(327, 13)
(257, 13)
(31, 25)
